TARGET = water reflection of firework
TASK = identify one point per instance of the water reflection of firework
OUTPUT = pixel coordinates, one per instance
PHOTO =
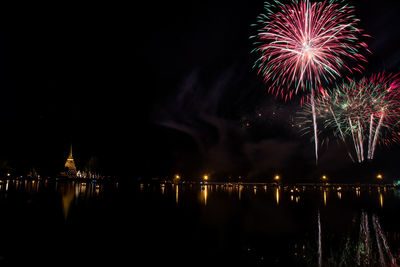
(369, 248)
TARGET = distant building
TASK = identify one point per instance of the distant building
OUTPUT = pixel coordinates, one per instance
(70, 168)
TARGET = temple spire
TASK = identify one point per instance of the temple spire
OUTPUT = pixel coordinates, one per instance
(70, 153)
(70, 165)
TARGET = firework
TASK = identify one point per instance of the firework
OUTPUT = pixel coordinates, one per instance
(366, 112)
(302, 44)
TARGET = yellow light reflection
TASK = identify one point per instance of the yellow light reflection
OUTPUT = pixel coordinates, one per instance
(230, 189)
(177, 194)
(163, 189)
(255, 190)
(205, 196)
(277, 196)
(67, 198)
(265, 188)
(240, 191)
(339, 195)
(358, 192)
(381, 199)
(324, 197)
(83, 188)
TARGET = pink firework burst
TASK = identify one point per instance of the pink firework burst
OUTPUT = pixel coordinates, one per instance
(302, 43)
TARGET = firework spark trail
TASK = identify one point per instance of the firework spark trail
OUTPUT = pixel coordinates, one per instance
(360, 140)
(376, 135)
(354, 141)
(314, 116)
(371, 124)
(304, 44)
(341, 133)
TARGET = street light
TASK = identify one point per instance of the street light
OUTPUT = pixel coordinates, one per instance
(277, 177)
(205, 177)
(379, 176)
(324, 177)
(177, 177)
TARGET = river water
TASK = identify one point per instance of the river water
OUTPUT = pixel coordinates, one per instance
(153, 224)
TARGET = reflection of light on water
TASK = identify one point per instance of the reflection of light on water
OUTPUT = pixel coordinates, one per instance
(163, 189)
(7, 185)
(205, 196)
(291, 198)
(277, 196)
(297, 199)
(255, 190)
(141, 187)
(265, 188)
(240, 191)
(77, 191)
(83, 188)
(177, 194)
(339, 195)
(67, 198)
(324, 197)
(381, 199)
(230, 190)
(358, 192)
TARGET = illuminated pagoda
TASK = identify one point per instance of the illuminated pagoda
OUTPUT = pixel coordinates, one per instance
(70, 168)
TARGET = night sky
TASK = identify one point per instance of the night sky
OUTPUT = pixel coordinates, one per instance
(158, 88)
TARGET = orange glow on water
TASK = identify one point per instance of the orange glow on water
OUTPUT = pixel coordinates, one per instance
(177, 194)
(277, 196)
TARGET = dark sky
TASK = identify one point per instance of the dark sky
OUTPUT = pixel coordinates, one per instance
(157, 88)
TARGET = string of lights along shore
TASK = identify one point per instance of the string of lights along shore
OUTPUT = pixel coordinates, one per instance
(304, 47)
